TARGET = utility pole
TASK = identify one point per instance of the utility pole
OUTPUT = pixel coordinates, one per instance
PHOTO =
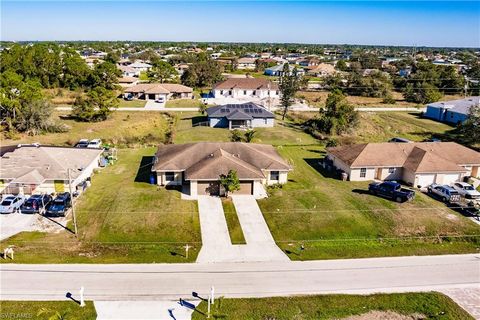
(73, 203)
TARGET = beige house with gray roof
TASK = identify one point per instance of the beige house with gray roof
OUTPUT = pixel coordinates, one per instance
(198, 166)
(44, 169)
(419, 164)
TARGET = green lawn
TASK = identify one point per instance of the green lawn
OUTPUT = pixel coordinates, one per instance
(132, 104)
(428, 305)
(234, 227)
(122, 129)
(336, 219)
(183, 103)
(121, 219)
(283, 133)
(46, 310)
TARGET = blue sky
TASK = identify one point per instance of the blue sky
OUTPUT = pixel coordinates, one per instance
(430, 23)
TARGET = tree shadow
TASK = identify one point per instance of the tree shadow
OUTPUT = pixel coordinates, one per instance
(361, 191)
(144, 170)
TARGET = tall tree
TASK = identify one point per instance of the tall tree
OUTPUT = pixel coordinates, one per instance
(104, 75)
(338, 116)
(470, 128)
(162, 71)
(98, 105)
(289, 83)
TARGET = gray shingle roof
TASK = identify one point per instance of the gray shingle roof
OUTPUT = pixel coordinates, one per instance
(244, 111)
(459, 106)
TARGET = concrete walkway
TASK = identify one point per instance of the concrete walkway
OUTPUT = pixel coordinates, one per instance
(126, 310)
(216, 243)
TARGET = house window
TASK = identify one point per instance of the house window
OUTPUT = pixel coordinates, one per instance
(266, 120)
(391, 170)
(244, 92)
(274, 175)
(221, 91)
(276, 92)
(363, 172)
(254, 92)
(230, 92)
(169, 176)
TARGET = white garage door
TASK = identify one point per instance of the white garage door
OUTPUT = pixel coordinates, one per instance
(424, 180)
(450, 178)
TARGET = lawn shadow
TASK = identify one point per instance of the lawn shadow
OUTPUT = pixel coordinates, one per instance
(144, 170)
(360, 191)
(58, 223)
(70, 296)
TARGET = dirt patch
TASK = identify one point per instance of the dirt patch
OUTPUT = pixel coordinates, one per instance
(386, 315)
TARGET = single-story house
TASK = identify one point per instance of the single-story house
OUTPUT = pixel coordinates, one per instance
(245, 88)
(140, 66)
(198, 166)
(453, 111)
(246, 63)
(322, 70)
(126, 82)
(128, 71)
(277, 70)
(309, 62)
(44, 169)
(159, 91)
(419, 164)
(244, 116)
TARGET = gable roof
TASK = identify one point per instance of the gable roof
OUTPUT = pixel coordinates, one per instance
(244, 111)
(246, 83)
(416, 157)
(156, 88)
(31, 164)
(207, 160)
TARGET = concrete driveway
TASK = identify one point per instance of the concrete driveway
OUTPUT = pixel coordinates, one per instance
(13, 223)
(216, 243)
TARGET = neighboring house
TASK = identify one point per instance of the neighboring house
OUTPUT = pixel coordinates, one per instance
(126, 81)
(277, 70)
(322, 70)
(244, 116)
(139, 66)
(246, 63)
(419, 164)
(128, 71)
(453, 111)
(159, 91)
(44, 169)
(181, 68)
(309, 62)
(245, 88)
(198, 166)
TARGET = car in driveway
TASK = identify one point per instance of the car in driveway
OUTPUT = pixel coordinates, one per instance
(11, 203)
(399, 139)
(95, 143)
(444, 192)
(37, 203)
(391, 190)
(59, 206)
(466, 190)
(82, 143)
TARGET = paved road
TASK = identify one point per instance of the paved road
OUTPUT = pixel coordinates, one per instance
(171, 281)
(361, 109)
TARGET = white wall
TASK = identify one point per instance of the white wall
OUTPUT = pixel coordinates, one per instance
(260, 122)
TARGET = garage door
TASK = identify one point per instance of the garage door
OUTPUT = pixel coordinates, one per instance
(450, 178)
(211, 188)
(246, 187)
(424, 180)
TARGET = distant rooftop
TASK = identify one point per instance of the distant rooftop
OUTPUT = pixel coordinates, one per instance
(462, 106)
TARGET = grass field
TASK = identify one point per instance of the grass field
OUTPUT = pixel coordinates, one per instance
(121, 219)
(336, 219)
(183, 103)
(131, 104)
(46, 310)
(429, 305)
(234, 227)
(121, 129)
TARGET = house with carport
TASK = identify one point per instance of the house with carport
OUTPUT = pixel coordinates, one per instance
(418, 164)
(197, 167)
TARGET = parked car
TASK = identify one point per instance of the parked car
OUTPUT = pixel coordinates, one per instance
(432, 140)
(160, 100)
(82, 143)
(391, 190)
(466, 190)
(11, 203)
(59, 206)
(444, 192)
(37, 203)
(398, 139)
(95, 143)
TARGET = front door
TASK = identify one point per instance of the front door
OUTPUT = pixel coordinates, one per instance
(378, 174)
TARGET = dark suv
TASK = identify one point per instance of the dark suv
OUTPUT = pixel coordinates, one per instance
(59, 206)
(36, 203)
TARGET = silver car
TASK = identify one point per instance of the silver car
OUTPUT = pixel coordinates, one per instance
(11, 204)
(466, 190)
